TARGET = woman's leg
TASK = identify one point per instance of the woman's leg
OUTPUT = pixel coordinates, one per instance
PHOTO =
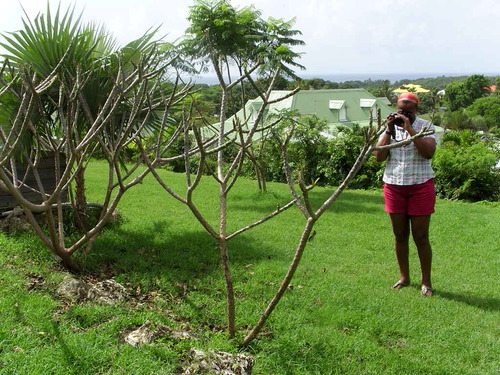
(401, 230)
(420, 233)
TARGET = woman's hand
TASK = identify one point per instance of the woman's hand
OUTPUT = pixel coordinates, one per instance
(406, 121)
(390, 122)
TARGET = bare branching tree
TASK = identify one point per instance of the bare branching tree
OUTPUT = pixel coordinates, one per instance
(55, 112)
(235, 49)
(111, 131)
(72, 102)
(226, 175)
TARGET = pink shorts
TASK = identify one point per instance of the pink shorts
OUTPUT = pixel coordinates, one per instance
(413, 200)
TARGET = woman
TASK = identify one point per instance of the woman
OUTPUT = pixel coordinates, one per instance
(409, 187)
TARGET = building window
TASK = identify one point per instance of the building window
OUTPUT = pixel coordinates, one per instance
(336, 104)
(367, 103)
(340, 106)
(342, 114)
(254, 116)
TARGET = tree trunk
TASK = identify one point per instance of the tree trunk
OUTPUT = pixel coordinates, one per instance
(68, 261)
(81, 221)
(257, 174)
(262, 171)
(225, 263)
(230, 303)
(284, 285)
(222, 216)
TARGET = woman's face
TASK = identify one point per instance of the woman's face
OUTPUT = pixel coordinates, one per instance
(407, 106)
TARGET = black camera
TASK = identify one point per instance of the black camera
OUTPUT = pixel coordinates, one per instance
(399, 121)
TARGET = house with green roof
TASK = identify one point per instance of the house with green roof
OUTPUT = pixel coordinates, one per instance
(338, 107)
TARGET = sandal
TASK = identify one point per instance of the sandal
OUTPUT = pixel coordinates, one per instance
(426, 291)
(400, 284)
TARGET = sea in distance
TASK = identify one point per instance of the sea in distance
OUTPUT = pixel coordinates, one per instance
(393, 77)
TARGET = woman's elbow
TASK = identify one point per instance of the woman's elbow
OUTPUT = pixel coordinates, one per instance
(379, 157)
(429, 153)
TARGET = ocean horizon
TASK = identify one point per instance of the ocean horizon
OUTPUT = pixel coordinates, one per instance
(343, 77)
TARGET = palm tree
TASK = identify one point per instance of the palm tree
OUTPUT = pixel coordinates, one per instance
(88, 95)
(61, 44)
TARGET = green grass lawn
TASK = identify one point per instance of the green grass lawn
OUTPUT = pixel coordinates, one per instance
(340, 317)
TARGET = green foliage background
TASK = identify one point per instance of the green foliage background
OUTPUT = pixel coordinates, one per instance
(465, 168)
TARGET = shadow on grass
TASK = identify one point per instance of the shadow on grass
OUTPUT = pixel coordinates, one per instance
(69, 357)
(348, 201)
(484, 303)
(182, 254)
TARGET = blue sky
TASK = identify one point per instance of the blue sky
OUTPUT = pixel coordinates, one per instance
(342, 36)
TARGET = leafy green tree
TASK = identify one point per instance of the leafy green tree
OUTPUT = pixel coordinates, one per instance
(321, 160)
(309, 147)
(456, 96)
(496, 82)
(462, 94)
(341, 154)
(477, 86)
(488, 108)
(429, 101)
(238, 45)
(461, 120)
(384, 90)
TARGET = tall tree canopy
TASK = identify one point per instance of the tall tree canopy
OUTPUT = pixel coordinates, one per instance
(225, 36)
(463, 94)
(488, 108)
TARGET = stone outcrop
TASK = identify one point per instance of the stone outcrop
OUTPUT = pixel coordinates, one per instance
(219, 363)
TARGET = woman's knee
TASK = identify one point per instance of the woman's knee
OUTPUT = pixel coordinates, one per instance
(400, 227)
(420, 229)
(421, 239)
(401, 235)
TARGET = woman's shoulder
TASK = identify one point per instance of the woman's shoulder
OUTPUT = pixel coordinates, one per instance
(420, 122)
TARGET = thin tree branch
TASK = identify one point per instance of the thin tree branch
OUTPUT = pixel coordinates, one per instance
(263, 220)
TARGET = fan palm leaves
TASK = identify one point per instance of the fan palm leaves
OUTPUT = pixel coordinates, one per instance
(81, 60)
(61, 44)
(78, 92)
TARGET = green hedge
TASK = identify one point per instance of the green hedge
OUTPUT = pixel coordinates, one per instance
(464, 166)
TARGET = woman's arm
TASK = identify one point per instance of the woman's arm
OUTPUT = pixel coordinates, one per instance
(381, 155)
(385, 139)
(425, 146)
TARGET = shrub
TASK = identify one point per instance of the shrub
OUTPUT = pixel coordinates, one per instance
(488, 108)
(457, 120)
(305, 152)
(326, 160)
(309, 147)
(464, 166)
(341, 156)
